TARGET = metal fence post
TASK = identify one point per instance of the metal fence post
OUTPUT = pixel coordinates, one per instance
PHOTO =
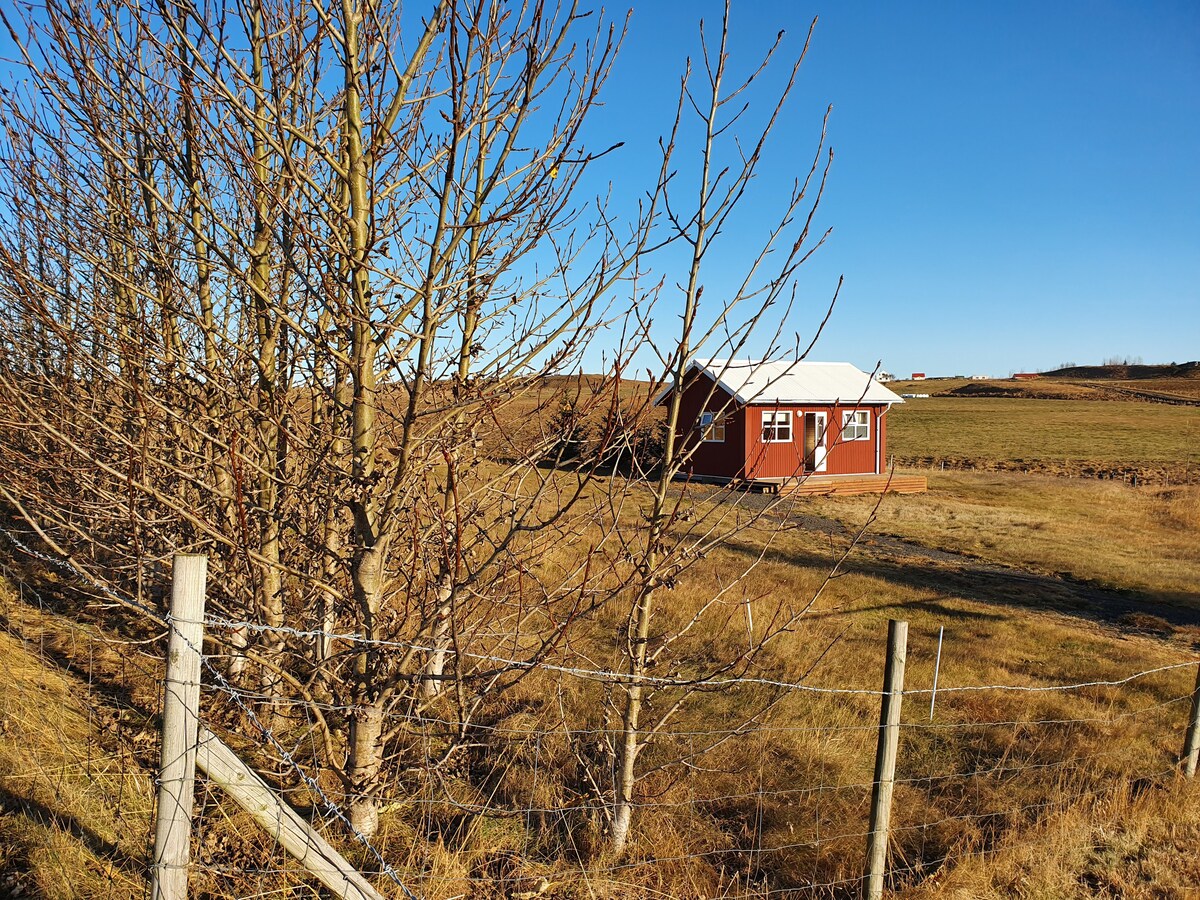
(885, 757)
(181, 702)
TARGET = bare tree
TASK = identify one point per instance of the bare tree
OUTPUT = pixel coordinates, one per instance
(323, 261)
(678, 526)
(288, 282)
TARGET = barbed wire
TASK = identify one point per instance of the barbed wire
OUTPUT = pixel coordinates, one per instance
(1080, 777)
(1002, 770)
(452, 727)
(602, 675)
(230, 691)
(311, 783)
(609, 676)
(66, 565)
(809, 844)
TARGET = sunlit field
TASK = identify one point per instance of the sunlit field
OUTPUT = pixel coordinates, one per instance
(1063, 432)
(1030, 582)
(1144, 539)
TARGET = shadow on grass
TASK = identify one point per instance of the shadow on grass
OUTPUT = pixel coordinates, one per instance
(954, 575)
(14, 805)
(938, 607)
(82, 668)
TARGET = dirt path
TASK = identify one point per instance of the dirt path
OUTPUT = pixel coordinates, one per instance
(1124, 393)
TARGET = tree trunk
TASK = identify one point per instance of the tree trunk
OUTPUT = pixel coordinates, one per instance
(366, 761)
(622, 815)
(366, 723)
(439, 640)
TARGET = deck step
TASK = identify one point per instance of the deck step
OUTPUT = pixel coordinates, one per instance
(822, 485)
(829, 485)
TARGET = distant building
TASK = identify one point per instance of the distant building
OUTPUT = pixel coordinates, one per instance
(745, 420)
(978, 378)
(918, 376)
(1024, 376)
(884, 377)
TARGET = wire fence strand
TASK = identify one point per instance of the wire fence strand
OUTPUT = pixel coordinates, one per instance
(516, 804)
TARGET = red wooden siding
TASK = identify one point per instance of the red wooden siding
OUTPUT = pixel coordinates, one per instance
(843, 457)
(743, 454)
(881, 440)
(847, 457)
(774, 460)
(708, 457)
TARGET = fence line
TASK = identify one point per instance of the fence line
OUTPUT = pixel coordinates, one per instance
(599, 675)
(452, 727)
(309, 782)
(613, 677)
(1078, 779)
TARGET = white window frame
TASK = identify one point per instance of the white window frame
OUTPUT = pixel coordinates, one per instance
(712, 427)
(856, 425)
(776, 422)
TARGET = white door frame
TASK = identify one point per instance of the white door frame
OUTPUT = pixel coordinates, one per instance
(820, 448)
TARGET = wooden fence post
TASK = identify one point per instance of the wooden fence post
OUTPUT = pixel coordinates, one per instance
(284, 824)
(1191, 744)
(885, 757)
(181, 702)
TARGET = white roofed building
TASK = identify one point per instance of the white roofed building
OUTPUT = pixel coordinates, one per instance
(782, 420)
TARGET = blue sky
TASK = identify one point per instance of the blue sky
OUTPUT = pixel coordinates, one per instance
(1016, 185)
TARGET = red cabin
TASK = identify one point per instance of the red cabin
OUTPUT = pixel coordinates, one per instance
(782, 420)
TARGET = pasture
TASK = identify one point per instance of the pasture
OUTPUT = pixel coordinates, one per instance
(1139, 540)
(1067, 437)
(1012, 786)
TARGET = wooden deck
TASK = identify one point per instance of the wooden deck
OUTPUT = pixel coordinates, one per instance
(825, 485)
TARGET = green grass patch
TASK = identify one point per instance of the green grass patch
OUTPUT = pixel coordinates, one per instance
(1109, 432)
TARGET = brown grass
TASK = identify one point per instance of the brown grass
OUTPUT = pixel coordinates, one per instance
(78, 762)
(76, 813)
(1182, 508)
(983, 795)
(798, 782)
(1131, 843)
(1136, 539)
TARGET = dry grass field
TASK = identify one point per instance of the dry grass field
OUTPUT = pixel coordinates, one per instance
(986, 807)
(75, 805)
(1011, 788)
(1144, 541)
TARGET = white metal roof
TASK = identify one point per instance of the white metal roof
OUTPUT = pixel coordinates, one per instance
(787, 382)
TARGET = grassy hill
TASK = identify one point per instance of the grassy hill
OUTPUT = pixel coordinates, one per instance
(1128, 372)
(1174, 383)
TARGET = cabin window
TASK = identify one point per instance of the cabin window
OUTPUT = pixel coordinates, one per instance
(776, 426)
(856, 426)
(712, 428)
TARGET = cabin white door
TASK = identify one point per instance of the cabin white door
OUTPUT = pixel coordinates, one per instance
(815, 450)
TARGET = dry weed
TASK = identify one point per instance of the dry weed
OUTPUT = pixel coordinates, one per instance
(76, 808)
(1136, 539)
(1182, 507)
(1135, 842)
